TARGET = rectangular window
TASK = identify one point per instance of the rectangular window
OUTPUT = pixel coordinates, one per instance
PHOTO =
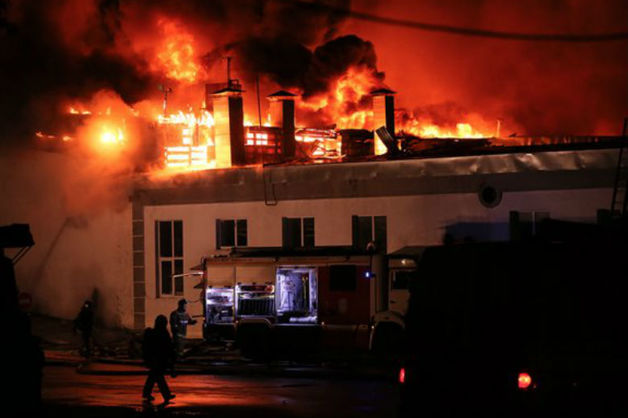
(169, 257)
(401, 279)
(342, 278)
(298, 233)
(231, 233)
(367, 229)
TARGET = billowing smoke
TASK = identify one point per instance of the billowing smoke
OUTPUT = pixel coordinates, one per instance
(334, 58)
(316, 74)
(535, 87)
(52, 51)
(57, 51)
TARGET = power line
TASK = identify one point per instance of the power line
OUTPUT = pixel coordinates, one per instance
(462, 31)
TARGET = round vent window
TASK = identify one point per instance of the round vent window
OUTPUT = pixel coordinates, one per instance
(490, 196)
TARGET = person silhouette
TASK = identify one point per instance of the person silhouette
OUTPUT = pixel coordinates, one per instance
(158, 353)
(179, 321)
(84, 323)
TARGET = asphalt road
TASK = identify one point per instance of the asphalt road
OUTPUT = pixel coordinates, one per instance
(69, 393)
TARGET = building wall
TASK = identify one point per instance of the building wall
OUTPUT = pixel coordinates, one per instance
(81, 224)
(90, 240)
(411, 220)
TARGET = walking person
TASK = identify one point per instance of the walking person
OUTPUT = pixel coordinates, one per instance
(84, 323)
(159, 358)
(179, 321)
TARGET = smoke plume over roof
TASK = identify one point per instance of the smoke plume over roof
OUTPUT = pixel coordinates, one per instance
(58, 51)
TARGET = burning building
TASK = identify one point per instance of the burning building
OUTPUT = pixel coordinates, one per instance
(155, 178)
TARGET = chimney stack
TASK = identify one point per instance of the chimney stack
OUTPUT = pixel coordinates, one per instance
(383, 115)
(282, 115)
(228, 126)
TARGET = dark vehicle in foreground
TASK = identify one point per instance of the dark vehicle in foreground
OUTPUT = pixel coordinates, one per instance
(518, 329)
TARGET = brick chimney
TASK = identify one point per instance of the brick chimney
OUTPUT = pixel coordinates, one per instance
(282, 115)
(383, 115)
(228, 126)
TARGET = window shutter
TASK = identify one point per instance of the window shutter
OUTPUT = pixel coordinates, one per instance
(285, 233)
(365, 234)
(379, 224)
(218, 233)
(241, 238)
(308, 232)
(355, 231)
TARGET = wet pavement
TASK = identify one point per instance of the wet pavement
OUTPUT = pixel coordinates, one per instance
(70, 393)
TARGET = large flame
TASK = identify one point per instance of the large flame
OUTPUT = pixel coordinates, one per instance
(193, 145)
(189, 119)
(177, 57)
(430, 130)
(347, 104)
(187, 137)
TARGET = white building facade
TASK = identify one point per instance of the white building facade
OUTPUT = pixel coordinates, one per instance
(397, 203)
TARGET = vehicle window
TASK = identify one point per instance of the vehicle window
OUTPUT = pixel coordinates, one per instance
(401, 279)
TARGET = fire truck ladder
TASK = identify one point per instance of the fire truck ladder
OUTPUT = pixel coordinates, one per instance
(620, 195)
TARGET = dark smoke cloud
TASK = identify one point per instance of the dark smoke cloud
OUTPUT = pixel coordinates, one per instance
(70, 49)
(537, 88)
(39, 68)
(64, 49)
(293, 65)
(335, 57)
(284, 61)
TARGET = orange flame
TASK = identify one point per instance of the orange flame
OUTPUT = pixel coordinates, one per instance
(430, 130)
(345, 103)
(177, 57)
(348, 106)
(190, 119)
(75, 111)
(185, 155)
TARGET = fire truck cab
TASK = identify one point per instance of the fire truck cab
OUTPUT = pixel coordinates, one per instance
(388, 323)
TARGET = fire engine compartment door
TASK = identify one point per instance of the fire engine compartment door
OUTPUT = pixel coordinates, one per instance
(297, 295)
(255, 291)
(263, 274)
(219, 305)
(219, 276)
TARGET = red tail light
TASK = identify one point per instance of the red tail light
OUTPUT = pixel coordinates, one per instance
(524, 381)
(402, 375)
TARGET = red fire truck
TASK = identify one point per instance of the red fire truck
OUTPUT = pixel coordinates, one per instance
(260, 296)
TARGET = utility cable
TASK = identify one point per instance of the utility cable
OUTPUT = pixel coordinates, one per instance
(463, 31)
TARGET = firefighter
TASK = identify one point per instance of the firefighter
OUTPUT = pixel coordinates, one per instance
(179, 321)
(84, 323)
(158, 354)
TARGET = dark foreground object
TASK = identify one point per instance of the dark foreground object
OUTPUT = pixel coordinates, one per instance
(66, 411)
(519, 329)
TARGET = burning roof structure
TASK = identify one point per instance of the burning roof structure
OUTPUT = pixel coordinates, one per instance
(145, 83)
